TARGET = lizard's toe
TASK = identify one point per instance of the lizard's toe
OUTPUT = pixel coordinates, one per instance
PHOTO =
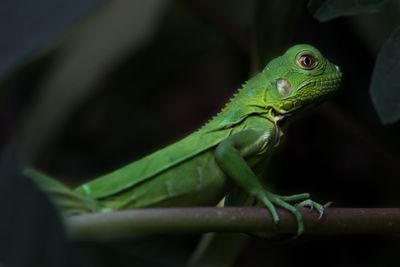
(314, 205)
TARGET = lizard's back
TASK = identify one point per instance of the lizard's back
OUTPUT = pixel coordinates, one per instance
(150, 166)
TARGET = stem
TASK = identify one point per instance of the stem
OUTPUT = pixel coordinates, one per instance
(133, 223)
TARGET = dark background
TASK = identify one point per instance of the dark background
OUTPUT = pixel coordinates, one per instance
(88, 88)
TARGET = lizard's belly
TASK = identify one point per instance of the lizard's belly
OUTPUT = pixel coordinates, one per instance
(196, 182)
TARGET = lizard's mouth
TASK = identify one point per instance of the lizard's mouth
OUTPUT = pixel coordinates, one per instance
(281, 115)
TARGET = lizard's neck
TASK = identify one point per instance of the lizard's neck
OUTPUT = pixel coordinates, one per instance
(238, 108)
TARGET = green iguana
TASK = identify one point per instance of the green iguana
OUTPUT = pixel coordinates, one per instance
(220, 157)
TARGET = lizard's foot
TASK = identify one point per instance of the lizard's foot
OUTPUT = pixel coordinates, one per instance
(270, 200)
(314, 205)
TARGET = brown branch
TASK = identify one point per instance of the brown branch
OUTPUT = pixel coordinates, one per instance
(126, 224)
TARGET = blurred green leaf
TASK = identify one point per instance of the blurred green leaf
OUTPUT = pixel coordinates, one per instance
(385, 85)
(118, 29)
(29, 27)
(31, 233)
(314, 5)
(329, 9)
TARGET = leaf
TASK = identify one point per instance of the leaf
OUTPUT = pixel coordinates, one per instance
(31, 233)
(337, 8)
(118, 29)
(385, 85)
(29, 27)
(314, 5)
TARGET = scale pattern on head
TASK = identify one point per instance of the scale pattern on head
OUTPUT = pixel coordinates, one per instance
(299, 77)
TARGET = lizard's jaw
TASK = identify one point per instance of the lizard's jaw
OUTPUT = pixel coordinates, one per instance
(280, 115)
(321, 88)
(313, 92)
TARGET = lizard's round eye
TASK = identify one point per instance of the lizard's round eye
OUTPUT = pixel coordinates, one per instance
(307, 62)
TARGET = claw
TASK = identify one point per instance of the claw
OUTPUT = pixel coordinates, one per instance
(267, 202)
(326, 205)
(312, 204)
(305, 204)
(270, 200)
(281, 201)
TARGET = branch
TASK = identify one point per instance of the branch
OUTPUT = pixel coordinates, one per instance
(133, 223)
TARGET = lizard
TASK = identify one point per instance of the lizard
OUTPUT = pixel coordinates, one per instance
(220, 158)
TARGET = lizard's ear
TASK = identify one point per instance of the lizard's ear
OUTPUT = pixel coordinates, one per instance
(283, 87)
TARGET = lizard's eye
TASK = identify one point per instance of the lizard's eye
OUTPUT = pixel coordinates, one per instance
(307, 62)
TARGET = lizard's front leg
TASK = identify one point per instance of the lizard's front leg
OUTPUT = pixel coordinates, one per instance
(230, 155)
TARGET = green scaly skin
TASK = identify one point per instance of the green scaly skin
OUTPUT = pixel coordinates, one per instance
(221, 156)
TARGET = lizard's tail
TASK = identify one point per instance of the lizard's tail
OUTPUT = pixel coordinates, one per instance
(66, 200)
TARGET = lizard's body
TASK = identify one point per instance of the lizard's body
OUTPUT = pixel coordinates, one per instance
(192, 179)
(205, 166)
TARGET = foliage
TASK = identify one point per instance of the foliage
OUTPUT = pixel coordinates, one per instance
(384, 86)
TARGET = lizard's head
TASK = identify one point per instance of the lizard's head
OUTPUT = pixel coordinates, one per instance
(300, 77)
